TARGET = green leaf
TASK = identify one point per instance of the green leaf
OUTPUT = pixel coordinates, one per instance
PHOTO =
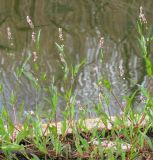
(84, 143)
(34, 157)
(60, 47)
(21, 135)
(107, 84)
(3, 131)
(41, 146)
(38, 40)
(26, 62)
(53, 131)
(20, 110)
(148, 66)
(1, 88)
(78, 146)
(130, 99)
(13, 98)
(58, 146)
(151, 38)
(78, 66)
(64, 127)
(12, 147)
(30, 77)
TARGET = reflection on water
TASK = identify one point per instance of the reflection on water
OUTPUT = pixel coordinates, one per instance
(83, 24)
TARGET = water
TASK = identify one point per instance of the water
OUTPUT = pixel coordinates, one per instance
(83, 24)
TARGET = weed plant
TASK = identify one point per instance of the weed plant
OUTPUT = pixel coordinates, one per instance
(128, 136)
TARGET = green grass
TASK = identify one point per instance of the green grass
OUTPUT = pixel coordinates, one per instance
(128, 136)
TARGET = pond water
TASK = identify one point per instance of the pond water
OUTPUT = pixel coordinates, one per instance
(83, 23)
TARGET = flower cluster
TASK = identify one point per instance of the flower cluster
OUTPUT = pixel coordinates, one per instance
(142, 15)
(60, 34)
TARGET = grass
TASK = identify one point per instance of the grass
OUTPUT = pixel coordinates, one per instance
(128, 136)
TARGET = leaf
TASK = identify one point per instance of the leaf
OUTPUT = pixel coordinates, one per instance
(38, 40)
(12, 147)
(53, 131)
(58, 146)
(148, 66)
(78, 66)
(20, 110)
(64, 127)
(84, 143)
(107, 84)
(2, 128)
(41, 146)
(60, 47)
(30, 76)
(78, 146)
(1, 88)
(129, 103)
(21, 135)
(25, 62)
(13, 98)
(151, 38)
(34, 157)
